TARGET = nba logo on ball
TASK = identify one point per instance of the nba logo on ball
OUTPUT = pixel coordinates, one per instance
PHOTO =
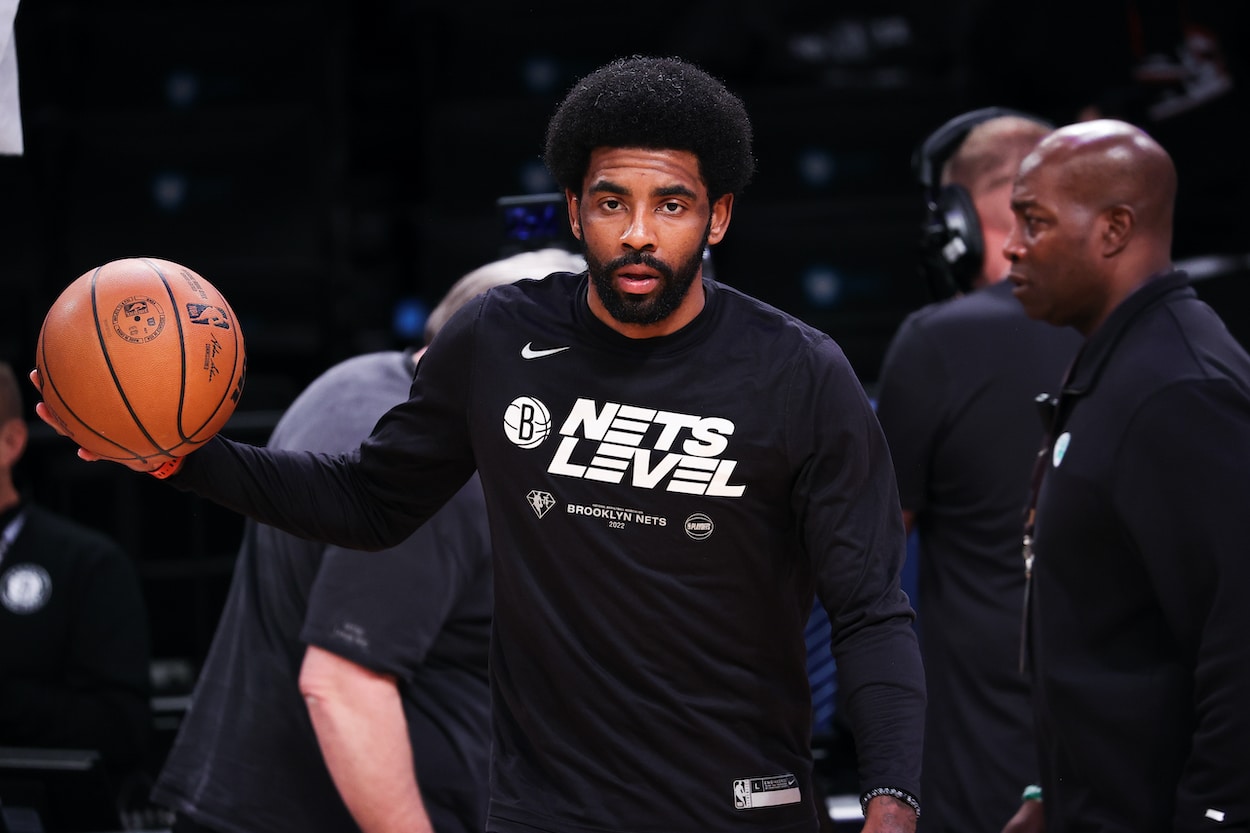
(527, 422)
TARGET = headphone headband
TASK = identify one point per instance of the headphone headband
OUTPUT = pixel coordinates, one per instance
(952, 249)
(933, 152)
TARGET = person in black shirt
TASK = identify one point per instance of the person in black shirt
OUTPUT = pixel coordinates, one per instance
(1138, 557)
(389, 650)
(74, 641)
(956, 403)
(672, 470)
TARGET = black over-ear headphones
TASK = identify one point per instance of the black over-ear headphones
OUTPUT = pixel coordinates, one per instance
(952, 249)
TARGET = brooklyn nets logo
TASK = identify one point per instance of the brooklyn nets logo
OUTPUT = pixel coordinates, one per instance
(25, 588)
(527, 422)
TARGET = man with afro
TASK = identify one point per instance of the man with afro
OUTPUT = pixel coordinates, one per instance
(672, 470)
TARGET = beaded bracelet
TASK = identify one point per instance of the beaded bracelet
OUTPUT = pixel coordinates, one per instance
(905, 797)
(1032, 793)
(167, 469)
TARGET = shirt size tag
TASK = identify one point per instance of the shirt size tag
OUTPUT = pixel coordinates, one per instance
(771, 791)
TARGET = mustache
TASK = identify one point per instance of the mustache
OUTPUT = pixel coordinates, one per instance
(639, 259)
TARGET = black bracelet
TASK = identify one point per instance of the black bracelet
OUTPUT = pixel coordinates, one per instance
(905, 797)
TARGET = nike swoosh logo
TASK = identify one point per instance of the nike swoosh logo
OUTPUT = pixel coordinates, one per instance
(528, 351)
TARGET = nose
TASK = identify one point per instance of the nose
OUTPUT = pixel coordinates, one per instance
(639, 235)
(1011, 244)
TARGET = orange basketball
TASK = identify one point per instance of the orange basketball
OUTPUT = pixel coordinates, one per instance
(140, 359)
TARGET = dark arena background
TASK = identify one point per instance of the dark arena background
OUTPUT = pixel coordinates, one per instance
(333, 167)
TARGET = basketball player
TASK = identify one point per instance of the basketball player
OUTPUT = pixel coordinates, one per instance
(672, 469)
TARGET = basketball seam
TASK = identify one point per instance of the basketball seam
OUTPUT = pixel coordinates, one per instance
(47, 378)
(182, 348)
(188, 438)
(117, 382)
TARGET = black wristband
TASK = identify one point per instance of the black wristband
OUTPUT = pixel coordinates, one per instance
(903, 796)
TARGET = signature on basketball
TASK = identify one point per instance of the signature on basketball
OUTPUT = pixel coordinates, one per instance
(211, 349)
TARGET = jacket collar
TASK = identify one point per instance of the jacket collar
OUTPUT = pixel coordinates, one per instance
(1096, 351)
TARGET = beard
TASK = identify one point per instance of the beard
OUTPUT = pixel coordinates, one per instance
(645, 309)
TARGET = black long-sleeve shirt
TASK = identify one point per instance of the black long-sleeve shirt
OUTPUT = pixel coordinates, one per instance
(1139, 612)
(662, 511)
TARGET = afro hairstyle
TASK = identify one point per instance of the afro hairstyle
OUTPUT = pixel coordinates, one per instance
(658, 104)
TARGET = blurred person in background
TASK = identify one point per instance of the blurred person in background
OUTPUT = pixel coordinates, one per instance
(346, 690)
(74, 642)
(956, 402)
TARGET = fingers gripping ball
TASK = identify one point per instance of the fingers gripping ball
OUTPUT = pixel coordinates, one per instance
(140, 359)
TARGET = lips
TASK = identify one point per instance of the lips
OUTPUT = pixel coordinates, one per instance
(637, 280)
(1022, 288)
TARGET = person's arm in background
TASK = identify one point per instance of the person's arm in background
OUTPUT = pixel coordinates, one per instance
(911, 407)
(360, 726)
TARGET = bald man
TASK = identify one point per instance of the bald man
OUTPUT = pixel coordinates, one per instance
(1139, 567)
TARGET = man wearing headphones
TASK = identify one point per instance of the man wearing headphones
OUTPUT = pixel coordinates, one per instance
(956, 401)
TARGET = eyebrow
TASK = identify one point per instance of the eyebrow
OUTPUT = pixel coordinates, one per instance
(998, 181)
(607, 186)
(675, 191)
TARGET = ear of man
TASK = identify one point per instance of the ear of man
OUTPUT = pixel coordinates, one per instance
(722, 212)
(1118, 226)
(575, 220)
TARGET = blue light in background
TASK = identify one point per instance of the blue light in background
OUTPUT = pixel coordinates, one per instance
(408, 320)
(182, 88)
(822, 286)
(825, 286)
(541, 74)
(535, 178)
(169, 190)
(817, 167)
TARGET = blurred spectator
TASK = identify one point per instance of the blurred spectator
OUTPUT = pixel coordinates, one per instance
(389, 650)
(956, 401)
(74, 649)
